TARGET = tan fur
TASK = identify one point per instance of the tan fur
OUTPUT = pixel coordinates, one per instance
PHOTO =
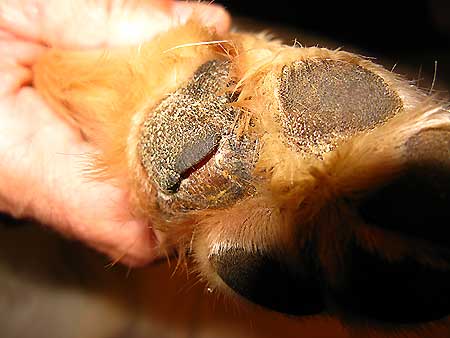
(109, 94)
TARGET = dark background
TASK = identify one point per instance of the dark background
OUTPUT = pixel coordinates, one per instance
(410, 34)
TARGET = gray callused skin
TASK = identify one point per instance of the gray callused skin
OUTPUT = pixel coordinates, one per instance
(324, 101)
(190, 148)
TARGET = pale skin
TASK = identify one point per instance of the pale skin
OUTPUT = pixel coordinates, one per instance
(41, 156)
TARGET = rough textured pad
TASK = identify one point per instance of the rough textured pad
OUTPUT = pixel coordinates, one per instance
(220, 180)
(186, 126)
(417, 203)
(189, 147)
(269, 281)
(323, 101)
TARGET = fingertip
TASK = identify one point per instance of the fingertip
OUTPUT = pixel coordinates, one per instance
(211, 15)
(136, 246)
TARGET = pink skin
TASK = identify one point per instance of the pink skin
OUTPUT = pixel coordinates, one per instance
(41, 157)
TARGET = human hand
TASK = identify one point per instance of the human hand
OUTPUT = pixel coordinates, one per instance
(41, 156)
